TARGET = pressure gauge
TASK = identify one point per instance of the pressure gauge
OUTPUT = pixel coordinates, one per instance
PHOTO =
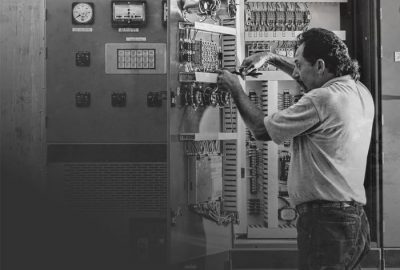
(82, 13)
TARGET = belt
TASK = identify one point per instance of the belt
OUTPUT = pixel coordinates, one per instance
(308, 206)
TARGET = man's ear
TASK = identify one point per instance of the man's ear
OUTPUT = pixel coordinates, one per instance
(320, 66)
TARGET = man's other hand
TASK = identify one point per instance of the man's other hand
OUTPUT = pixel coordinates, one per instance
(254, 62)
(228, 81)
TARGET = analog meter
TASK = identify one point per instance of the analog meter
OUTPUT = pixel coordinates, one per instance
(128, 13)
(82, 13)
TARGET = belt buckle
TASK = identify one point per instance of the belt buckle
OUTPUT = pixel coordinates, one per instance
(346, 204)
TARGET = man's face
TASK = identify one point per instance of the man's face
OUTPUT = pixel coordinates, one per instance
(304, 72)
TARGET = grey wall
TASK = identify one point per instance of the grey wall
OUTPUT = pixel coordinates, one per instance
(22, 133)
(391, 121)
(22, 90)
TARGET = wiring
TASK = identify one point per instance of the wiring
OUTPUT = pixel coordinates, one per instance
(212, 211)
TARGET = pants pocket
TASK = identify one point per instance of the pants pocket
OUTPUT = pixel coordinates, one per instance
(334, 243)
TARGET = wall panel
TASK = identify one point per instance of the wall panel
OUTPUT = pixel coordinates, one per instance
(22, 99)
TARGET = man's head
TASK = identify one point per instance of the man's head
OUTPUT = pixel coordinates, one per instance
(321, 56)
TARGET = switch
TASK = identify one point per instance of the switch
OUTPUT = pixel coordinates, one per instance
(118, 99)
(82, 59)
(82, 99)
(154, 99)
(397, 56)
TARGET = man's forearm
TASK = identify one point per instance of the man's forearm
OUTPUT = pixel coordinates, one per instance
(286, 64)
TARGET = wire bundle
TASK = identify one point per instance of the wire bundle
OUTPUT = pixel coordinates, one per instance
(212, 210)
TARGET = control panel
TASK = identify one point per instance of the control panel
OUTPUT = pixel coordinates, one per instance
(105, 59)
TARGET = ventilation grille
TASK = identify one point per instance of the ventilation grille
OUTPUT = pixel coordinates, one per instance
(137, 188)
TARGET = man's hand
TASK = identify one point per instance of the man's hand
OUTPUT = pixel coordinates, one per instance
(255, 61)
(228, 81)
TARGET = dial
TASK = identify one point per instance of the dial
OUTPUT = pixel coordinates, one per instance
(82, 13)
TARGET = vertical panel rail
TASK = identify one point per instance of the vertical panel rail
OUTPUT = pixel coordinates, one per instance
(229, 125)
(264, 104)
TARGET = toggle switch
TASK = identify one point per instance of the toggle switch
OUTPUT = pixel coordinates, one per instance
(82, 99)
(118, 99)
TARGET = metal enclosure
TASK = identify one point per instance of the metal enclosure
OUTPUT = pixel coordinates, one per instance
(196, 240)
(107, 131)
(101, 122)
(254, 193)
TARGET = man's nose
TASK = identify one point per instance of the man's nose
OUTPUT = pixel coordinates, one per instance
(295, 74)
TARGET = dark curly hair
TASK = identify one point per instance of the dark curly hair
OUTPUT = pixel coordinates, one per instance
(323, 44)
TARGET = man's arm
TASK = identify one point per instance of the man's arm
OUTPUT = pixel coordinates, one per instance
(255, 61)
(286, 64)
(252, 116)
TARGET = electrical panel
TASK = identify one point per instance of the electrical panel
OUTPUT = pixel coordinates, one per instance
(106, 68)
(106, 128)
(200, 55)
(203, 117)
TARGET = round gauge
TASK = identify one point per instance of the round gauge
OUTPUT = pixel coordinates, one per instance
(82, 13)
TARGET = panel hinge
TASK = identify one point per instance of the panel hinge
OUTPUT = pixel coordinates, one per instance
(380, 14)
(46, 53)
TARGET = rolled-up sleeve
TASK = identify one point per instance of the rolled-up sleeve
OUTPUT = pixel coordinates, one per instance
(293, 121)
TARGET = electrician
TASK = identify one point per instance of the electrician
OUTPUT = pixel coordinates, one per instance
(331, 130)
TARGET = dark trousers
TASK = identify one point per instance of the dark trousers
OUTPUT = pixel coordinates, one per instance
(332, 236)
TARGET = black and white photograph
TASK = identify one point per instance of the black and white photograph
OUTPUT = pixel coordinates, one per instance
(200, 134)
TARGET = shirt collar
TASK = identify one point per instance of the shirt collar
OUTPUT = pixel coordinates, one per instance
(344, 79)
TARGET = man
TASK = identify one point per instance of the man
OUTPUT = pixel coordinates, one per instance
(331, 130)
